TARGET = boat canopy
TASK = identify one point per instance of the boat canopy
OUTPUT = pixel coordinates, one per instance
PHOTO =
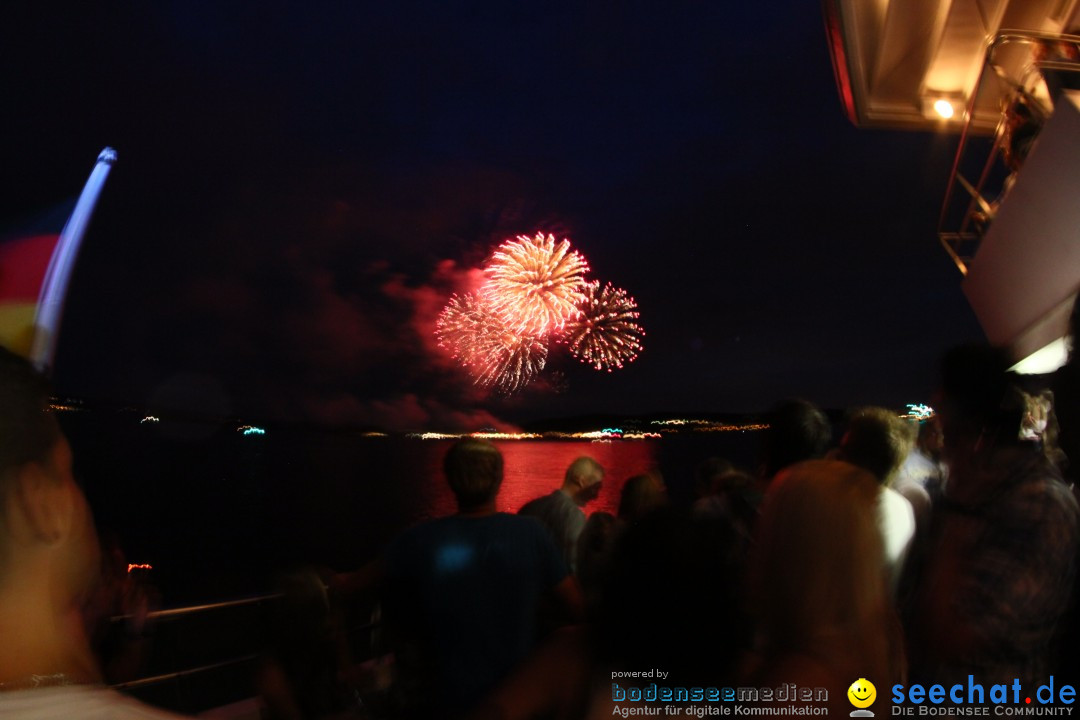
(916, 64)
(1005, 74)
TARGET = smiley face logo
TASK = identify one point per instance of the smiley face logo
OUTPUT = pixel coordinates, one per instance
(862, 693)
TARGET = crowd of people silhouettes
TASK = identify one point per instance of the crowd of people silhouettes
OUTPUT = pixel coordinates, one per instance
(883, 550)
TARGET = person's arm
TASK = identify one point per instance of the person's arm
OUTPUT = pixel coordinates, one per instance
(365, 580)
(568, 593)
(556, 576)
(554, 681)
(575, 526)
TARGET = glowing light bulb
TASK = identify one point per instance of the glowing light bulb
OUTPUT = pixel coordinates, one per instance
(944, 108)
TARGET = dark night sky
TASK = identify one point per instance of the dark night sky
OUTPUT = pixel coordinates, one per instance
(301, 185)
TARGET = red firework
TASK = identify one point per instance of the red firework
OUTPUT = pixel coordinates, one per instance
(604, 334)
(534, 284)
(495, 354)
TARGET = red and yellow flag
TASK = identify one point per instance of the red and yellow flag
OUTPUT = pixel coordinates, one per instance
(35, 268)
(24, 261)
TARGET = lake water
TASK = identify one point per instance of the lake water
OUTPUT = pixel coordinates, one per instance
(217, 513)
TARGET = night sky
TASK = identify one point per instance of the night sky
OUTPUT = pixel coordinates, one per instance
(302, 185)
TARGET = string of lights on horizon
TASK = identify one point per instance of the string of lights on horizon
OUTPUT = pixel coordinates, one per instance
(914, 412)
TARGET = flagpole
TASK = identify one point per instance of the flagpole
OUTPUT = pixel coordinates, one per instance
(50, 305)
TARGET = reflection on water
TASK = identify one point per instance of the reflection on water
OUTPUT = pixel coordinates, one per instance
(535, 468)
(217, 514)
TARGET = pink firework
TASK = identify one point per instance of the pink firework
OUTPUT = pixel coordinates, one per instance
(534, 284)
(605, 334)
(496, 355)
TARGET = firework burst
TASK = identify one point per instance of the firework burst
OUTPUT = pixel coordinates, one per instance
(534, 284)
(536, 293)
(604, 334)
(496, 355)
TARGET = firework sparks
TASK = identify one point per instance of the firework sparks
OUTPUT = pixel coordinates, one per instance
(534, 284)
(605, 334)
(536, 293)
(495, 354)
(458, 323)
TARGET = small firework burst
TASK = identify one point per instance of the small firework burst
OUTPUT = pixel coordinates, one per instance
(605, 334)
(496, 355)
(534, 284)
(457, 324)
(510, 362)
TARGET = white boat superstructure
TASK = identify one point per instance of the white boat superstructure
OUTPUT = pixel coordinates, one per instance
(1005, 74)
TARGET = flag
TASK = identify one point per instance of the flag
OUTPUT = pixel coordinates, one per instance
(24, 260)
(35, 269)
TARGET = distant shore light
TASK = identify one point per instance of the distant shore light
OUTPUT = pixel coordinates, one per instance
(919, 412)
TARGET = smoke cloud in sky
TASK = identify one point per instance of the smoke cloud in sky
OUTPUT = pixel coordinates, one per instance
(329, 336)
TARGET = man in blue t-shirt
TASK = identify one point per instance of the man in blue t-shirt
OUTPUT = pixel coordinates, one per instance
(462, 592)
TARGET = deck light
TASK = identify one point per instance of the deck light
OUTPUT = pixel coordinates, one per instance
(944, 108)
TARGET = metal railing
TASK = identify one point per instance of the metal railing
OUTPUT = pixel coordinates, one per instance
(969, 207)
(206, 656)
